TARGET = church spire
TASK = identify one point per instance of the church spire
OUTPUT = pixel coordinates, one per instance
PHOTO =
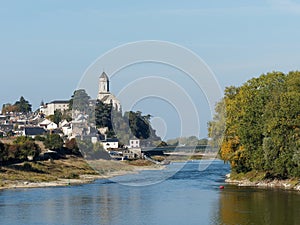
(104, 95)
(103, 83)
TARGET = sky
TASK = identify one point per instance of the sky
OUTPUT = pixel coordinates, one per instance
(46, 46)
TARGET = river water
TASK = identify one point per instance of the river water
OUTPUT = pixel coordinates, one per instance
(190, 196)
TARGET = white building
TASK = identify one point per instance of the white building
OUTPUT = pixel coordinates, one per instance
(110, 143)
(52, 126)
(104, 95)
(49, 108)
(134, 143)
(66, 128)
(47, 124)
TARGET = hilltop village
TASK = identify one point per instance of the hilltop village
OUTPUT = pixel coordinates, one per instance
(80, 125)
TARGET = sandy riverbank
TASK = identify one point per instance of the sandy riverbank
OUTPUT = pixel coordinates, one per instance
(83, 179)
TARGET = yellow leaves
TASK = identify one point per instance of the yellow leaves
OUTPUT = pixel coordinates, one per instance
(229, 147)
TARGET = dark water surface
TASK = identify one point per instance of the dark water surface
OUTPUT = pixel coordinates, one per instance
(188, 197)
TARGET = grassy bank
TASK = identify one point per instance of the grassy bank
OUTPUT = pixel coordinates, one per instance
(72, 170)
(44, 171)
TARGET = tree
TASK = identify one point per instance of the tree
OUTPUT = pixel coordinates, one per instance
(57, 117)
(203, 141)
(261, 125)
(53, 141)
(187, 141)
(72, 145)
(79, 101)
(23, 105)
(66, 116)
(23, 147)
(3, 153)
(139, 125)
(7, 108)
(92, 151)
(103, 115)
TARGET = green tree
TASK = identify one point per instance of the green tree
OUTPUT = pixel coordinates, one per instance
(3, 153)
(203, 141)
(92, 151)
(53, 141)
(139, 125)
(23, 105)
(103, 115)
(67, 115)
(23, 147)
(79, 101)
(57, 117)
(261, 125)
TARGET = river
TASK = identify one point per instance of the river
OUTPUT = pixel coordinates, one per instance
(190, 196)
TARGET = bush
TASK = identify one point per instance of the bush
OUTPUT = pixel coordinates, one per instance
(53, 141)
(27, 166)
(19, 151)
(73, 147)
(39, 138)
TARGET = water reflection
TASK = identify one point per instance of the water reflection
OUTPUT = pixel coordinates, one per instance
(241, 205)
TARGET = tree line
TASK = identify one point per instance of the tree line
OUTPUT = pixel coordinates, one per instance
(187, 141)
(24, 147)
(257, 125)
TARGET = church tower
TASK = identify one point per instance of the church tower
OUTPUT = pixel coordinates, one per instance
(104, 95)
(103, 83)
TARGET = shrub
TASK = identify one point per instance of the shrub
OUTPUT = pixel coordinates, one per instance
(53, 141)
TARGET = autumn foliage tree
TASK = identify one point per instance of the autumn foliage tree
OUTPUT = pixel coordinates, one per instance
(258, 125)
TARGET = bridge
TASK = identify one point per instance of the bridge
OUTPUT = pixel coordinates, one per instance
(180, 150)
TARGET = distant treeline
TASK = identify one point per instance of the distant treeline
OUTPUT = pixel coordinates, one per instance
(187, 141)
(257, 125)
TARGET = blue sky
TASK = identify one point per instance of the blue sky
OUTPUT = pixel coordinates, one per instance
(47, 45)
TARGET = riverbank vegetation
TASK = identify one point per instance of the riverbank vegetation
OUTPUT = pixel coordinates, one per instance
(23, 148)
(44, 171)
(257, 126)
(62, 172)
